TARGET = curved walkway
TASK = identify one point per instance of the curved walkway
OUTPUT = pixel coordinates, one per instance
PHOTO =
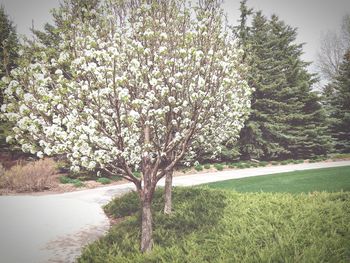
(53, 228)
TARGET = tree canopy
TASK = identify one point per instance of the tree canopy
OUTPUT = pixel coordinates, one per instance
(134, 81)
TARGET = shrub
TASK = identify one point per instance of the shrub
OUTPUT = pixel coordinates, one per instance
(207, 166)
(275, 163)
(34, 176)
(65, 180)
(198, 168)
(240, 165)
(104, 180)
(137, 174)
(263, 164)
(219, 166)
(231, 165)
(77, 183)
(223, 226)
(341, 156)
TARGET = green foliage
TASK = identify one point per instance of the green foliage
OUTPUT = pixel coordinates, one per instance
(263, 164)
(137, 174)
(65, 180)
(219, 226)
(287, 119)
(68, 180)
(326, 179)
(207, 166)
(337, 98)
(104, 180)
(198, 168)
(77, 183)
(8, 59)
(219, 166)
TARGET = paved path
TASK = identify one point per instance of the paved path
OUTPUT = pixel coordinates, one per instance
(53, 228)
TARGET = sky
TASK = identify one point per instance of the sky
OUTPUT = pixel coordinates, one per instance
(313, 18)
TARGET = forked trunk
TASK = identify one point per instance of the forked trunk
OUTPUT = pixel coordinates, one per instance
(168, 192)
(146, 225)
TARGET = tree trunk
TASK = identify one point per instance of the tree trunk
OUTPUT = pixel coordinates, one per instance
(146, 225)
(168, 192)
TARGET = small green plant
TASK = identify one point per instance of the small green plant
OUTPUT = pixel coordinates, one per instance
(137, 174)
(240, 165)
(206, 166)
(65, 180)
(104, 180)
(231, 165)
(198, 168)
(219, 166)
(275, 163)
(77, 183)
(263, 164)
(285, 162)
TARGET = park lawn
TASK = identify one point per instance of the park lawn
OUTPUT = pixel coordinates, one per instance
(333, 179)
(214, 225)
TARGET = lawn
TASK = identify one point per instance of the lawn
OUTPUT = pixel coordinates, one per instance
(214, 225)
(327, 179)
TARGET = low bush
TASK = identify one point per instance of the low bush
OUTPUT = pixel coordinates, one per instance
(223, 226)
(207, 166)
(341, 156)
(231, 165)
(33, 176)
(137, 174)
(104, 180)
(68, 180)
(65, 179)
(198, 168)
(263, 164)
(77, 183)
(219, 166)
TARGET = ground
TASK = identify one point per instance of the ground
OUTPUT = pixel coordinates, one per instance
(52, 228)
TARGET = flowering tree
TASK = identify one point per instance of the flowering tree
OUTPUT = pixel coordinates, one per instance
(135, 85)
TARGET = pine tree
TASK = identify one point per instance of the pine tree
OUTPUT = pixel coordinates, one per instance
(287, 119)
(8, 55)
(339, 102)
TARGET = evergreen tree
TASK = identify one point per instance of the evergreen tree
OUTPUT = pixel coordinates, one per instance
(287, 119)
(8, 55)
(338, 97)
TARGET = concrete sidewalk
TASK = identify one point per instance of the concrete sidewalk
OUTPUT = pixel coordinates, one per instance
(53, 228)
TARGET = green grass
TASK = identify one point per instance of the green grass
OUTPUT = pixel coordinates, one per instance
(211, 225)
(326, 179)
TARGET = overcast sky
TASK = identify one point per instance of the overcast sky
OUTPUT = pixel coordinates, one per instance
(312, 17)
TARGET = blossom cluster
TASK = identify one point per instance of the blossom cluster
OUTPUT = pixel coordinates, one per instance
(176, 71)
